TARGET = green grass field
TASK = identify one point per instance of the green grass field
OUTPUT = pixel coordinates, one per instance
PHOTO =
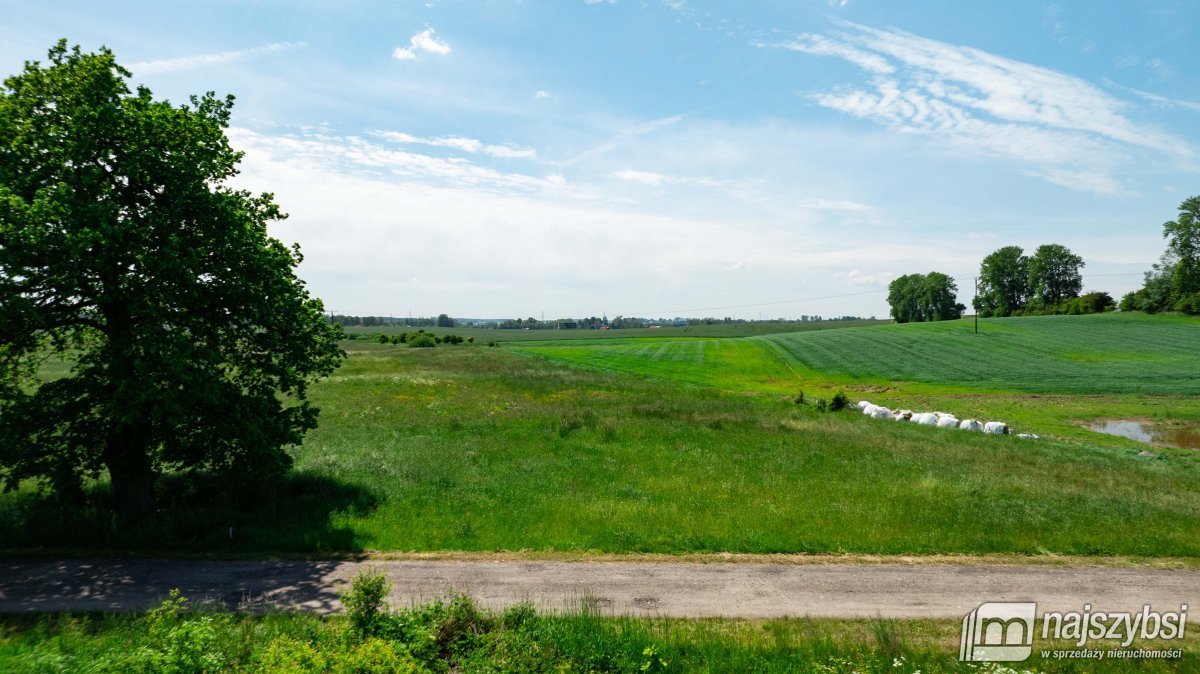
(476, 448)
(1045, 375)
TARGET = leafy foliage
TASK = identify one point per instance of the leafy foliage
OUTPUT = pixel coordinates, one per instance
(192, 342)
(1003, 282)
(365, 599)
(924, 297)
(1053, 277)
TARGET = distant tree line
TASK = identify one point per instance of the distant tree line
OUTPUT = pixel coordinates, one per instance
(1010, 284)
(1048, 282)
(1173, 284)
(420, 338)
(924, 297)
(590, 323)
(381, 321)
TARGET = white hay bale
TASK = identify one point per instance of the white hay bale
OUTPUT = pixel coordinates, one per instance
(862, 405)
(947, 421)
(869, 409)
(902, 415)
(970, 425)
(996, 428)
(1028, 436)
(925, 419)
(881, 413)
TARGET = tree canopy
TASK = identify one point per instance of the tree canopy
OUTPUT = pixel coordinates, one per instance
(191, 343)
(1003, 282)
(924, 297)
(1054, 276)
(1174, 282)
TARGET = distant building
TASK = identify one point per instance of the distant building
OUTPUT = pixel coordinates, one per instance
(568, 325)
(680, 324)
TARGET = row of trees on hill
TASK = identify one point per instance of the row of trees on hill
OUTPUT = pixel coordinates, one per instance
(924, 297)
(1174, 283)
(1012, 283)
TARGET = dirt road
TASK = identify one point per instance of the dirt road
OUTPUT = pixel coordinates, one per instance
(635, 588)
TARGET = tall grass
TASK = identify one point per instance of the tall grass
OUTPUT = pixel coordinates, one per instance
(457, 635)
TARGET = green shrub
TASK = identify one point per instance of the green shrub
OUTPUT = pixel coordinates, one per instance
(364, 600)
(287, 655)
(822, 405)
(799, 399)
(376, 656)
(839, 402)
(383, 339)
(422, 341)
(1189, 304)
(461, 625)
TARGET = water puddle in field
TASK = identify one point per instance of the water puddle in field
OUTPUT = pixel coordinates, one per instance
(1186, 436)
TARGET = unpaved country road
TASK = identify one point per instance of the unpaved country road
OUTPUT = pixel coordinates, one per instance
(632, 588)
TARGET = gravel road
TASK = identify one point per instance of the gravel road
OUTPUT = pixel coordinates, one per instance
(634, 588)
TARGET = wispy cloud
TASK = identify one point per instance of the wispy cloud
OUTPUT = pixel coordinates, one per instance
(541, 93)
(625, 135)
(161, 66)
(459, 143)
(359, 156)
(1066, 130)
(1162, 101)
(422, 41)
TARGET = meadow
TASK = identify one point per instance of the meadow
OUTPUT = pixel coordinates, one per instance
(681, 446)
(1046, 374)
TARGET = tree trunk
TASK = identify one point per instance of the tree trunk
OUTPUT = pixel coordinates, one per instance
(131, 475)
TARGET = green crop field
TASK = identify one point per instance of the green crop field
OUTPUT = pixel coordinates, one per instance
(1045, 374)
(510, 448)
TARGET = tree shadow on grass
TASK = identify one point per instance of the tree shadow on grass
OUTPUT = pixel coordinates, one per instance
(197, 516)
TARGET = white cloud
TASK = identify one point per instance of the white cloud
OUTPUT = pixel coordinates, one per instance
(1163, 101)
(643, 177)
(171, 65)
(422, 41)
(655, 179)
(541, 93)
(823, 46)
(372, 217)
(459, 143)
(1066, 130)
(599, 2)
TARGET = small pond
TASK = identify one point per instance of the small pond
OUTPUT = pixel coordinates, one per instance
(1187, 436)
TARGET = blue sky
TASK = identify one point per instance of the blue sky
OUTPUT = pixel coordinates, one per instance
(677, 157)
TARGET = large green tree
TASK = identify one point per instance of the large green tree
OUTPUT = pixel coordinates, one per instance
(1003, 282)
(123, 250)
(1183, 246)
(924, 297)
(1054, 276)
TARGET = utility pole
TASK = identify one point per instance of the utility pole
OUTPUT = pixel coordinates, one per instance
(976, 303)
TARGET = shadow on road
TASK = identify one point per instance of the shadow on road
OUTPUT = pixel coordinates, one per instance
(28, 586)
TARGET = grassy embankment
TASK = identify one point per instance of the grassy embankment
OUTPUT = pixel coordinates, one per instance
(479, 449)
